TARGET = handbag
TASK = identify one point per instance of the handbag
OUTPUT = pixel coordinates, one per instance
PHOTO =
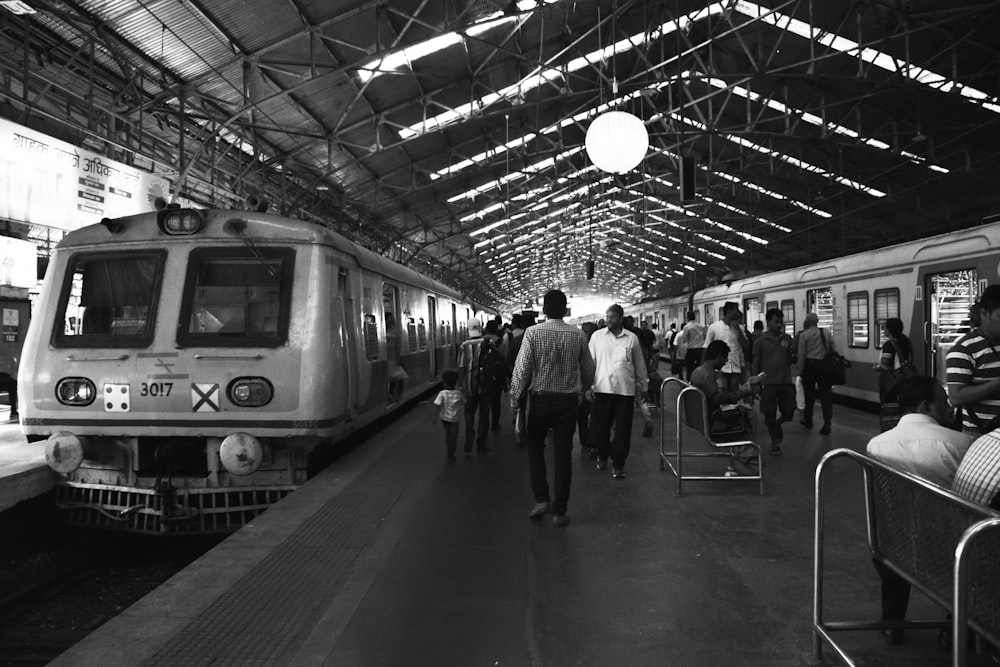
(889, 381)
(834, 366)
(730, 423)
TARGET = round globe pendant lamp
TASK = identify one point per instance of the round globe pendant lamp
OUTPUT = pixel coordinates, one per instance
(616, 141)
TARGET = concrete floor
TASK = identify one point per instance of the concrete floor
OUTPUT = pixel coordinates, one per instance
(396, 557)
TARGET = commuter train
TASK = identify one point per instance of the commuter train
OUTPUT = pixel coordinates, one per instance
(185, 365)
(929, 284)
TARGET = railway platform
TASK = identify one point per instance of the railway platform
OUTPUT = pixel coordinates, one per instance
(393, 556)
(23, 472)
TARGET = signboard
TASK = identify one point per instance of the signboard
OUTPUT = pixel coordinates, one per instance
(18, 263)
(49, 182)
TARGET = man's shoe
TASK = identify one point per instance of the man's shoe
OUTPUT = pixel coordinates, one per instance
(618, 473)
(775, 450)
(560, 520)
(602, 463)
(807, 423)
(538, 510)
(825, 430)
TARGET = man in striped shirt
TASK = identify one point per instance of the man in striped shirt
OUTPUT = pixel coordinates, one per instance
(553, 366)
(974, 368)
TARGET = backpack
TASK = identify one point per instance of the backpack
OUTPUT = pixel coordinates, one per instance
(491, 369)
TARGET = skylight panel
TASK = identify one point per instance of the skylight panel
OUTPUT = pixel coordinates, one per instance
(873, 56)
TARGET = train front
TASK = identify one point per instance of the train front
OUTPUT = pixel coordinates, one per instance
(162, 370)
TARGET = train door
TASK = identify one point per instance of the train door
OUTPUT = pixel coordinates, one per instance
(390, 314)
(950, 296)
(432, 337)
(346, 337)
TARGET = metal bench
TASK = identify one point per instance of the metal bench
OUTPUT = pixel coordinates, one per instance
(945, 546)
(692, 412)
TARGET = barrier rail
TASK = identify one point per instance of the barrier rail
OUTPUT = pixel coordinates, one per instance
(942, 544)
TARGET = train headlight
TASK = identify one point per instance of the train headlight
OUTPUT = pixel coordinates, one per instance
(180, 221)
(250, 392)
(75, 391)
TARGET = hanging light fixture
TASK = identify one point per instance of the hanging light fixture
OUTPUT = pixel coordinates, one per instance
(617, 142)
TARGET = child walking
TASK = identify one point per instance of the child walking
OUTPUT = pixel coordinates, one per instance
(447, 408)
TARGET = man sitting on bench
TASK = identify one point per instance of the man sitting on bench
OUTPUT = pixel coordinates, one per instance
(705, 377)
(923, 445)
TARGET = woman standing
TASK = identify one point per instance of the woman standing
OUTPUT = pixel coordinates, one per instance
(895, 363)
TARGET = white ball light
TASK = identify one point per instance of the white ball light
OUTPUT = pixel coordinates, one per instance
(617, 141)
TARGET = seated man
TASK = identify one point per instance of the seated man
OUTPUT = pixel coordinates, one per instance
(920, 444)
(978, 476)
(705, 377)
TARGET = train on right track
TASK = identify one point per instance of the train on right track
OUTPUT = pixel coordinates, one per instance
(930, 284)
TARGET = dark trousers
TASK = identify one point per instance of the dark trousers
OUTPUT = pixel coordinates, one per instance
(583, 423)
(480, 403)
(775, 398)
(895, 593)
(556, 412)
(816, 385)
(450, 436)
(495, 409)
(612, 410)
(692, 359)
(9, 385)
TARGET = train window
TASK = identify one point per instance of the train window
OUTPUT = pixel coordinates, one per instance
(886, 306)
(390, 297)
(788, 315)
(820, 301)
(709, 313)
(370, 334)
(109, 301)
(237, 297)
(411, 334)
(421, 334)
(752, 311)
(857, 319)
(443, 329)
(771, 304)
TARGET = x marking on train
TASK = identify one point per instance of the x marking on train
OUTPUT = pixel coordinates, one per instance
(204, 397)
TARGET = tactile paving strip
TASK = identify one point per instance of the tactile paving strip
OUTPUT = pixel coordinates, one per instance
(278, 602)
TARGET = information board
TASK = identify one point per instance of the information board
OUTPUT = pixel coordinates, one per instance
(45, 181)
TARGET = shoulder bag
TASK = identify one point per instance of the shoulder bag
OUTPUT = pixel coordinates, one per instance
(833, 364)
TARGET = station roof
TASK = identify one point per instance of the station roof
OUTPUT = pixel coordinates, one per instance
(449, 135)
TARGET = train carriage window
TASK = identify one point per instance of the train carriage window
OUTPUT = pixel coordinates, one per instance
(709, 313)
(857, 319)
(370, 334)
(109, 301)
(788, 315)
(752, 311)
(443, 337)
(237, 297)
(411, 334)
(886, 306)
(820, 301)
(421, 334)
(770, 304)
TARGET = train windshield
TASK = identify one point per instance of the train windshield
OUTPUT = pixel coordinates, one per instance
(109, 301)
(237, 297)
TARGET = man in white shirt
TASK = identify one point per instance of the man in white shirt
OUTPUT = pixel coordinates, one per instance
(621, 370)
(729, 332)
(922, 445)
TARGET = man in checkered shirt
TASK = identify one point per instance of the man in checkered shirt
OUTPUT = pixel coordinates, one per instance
(978, 476)
(553, 366)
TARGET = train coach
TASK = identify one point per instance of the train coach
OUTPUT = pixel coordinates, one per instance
(187, 366)
(929, 284)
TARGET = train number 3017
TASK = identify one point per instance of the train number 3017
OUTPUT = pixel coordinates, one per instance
(155, 389)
